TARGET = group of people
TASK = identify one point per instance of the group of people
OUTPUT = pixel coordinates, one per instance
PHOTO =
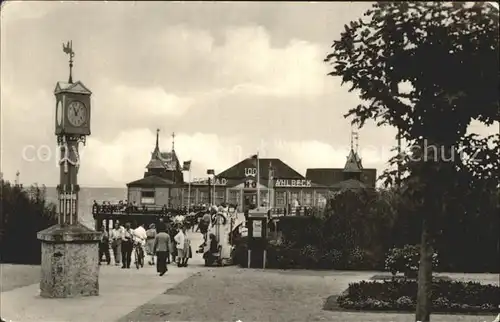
(163, 244)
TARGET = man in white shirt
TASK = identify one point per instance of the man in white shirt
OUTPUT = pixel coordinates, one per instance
(116, 242)
(140, 237)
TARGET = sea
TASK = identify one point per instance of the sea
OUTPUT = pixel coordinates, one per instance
(87, 196)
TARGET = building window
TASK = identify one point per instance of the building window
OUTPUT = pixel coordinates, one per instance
(192, 199)
(280, 198)
(264, 197)
(320, 200)
(234, 197)
(204, 197)
(147, 197)
(307, 199)
(219, 197)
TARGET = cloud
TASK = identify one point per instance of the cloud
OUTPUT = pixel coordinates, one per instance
(124, 159)
(228, 78)
(18, 10)
(152, 102)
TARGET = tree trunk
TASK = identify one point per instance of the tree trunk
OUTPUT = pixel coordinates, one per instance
(423, 313)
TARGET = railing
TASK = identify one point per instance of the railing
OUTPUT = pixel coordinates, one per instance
(290, 211)
(122, 209)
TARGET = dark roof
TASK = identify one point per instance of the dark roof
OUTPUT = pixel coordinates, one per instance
(170, 160)
(349, 184)
(331, 176)
(155, 164)
(280, 169)
(151, 181)
(325, 176)
(353, 163)
(76, 87)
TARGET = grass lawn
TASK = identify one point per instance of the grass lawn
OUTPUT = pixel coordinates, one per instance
(14, 276)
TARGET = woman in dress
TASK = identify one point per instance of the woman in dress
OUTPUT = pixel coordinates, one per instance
(150, 241)
(183, 247)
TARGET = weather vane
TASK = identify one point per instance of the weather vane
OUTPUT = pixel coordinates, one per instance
(68, 49)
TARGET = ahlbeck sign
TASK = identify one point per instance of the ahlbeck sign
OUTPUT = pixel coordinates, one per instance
(292, 183)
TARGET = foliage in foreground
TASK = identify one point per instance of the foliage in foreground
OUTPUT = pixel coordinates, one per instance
(24, 212)
(429, 69)
(377, 230)
(446, 296)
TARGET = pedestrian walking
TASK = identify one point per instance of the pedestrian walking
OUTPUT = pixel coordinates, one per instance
(116, 242)
(150, 241)
(160, 248)
(104, 246)
(127, 246)
(184, 251)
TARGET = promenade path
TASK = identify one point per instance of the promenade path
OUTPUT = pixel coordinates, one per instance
(253, 295)
(121, 291)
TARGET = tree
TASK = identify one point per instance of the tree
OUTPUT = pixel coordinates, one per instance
(24, 212)
(428, 69)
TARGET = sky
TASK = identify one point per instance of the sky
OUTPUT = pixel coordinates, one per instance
(230, 79)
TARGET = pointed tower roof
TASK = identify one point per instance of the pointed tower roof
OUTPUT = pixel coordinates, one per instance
(156, 161)
(353, 163)
(77, 87)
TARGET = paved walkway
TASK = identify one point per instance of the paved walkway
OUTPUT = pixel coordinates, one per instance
(251, 295)
(121, 291)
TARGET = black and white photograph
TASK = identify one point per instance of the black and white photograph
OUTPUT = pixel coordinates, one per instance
(249, 161)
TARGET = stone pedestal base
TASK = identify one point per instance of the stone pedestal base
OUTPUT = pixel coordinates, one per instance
(70, 264)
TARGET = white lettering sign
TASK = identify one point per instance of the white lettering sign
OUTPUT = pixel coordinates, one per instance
(250, 172)
(286, 183)
(203, 181)
(250, 184)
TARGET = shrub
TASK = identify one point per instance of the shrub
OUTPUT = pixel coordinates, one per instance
(446, 296)
(24, 212)
(406, 260)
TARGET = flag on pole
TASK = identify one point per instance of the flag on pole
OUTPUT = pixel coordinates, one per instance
(186, 166)
(210, 171)
(270, 186)
(256, 156)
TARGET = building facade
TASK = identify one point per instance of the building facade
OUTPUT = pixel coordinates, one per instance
(268, 181)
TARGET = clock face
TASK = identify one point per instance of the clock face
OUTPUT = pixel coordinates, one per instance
(77, 113)
(59, 113)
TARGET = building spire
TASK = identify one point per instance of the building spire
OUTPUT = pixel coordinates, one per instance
(157, 146)
(354, 140)
(173, 141)
(353, 163)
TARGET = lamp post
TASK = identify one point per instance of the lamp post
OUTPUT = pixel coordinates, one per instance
(210, 185)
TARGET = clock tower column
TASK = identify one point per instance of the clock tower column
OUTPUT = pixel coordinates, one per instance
(70, 264)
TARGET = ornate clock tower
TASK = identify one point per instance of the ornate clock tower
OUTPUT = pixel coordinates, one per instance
(70, 264)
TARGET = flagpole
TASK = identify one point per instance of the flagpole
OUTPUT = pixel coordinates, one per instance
(213, 190)
(189, 191)
(258, 181)
(270, 186)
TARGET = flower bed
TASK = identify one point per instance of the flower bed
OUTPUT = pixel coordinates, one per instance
(406, 260)
(446, 296)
